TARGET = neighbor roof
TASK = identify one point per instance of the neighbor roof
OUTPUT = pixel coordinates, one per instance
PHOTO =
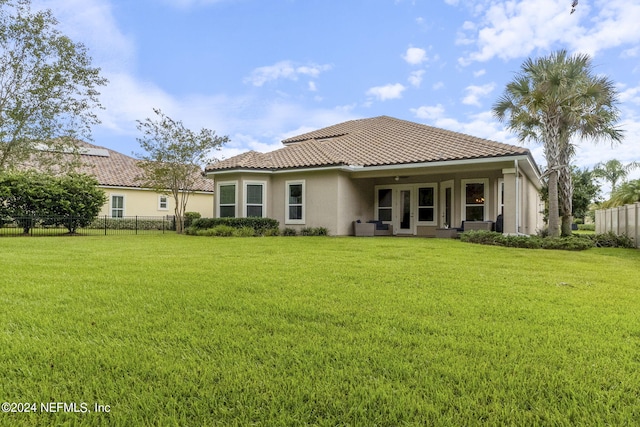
(376, 141)
(114, 169)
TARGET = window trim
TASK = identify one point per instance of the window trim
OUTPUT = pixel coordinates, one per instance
(377, 202)
(166, 202)
(235, 203)
(111, 208)
(287, 189)
(463, 190)
(246, 203)
(434, 186)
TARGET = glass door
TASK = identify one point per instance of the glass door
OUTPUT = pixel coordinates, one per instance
(405, 210)
(446, 205)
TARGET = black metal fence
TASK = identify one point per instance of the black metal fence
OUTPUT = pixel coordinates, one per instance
(104, 225)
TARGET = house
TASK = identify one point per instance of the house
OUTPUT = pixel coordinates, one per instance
(117, 175)
(413, 177)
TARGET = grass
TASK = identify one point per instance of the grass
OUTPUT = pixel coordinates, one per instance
(178, 330)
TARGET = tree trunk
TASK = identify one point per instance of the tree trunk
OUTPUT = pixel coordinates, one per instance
(554, 216)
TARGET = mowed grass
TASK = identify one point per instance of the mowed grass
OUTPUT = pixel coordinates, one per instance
(191, 331)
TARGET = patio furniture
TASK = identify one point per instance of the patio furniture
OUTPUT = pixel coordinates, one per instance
(447, 233)
(372, 228)
(477, 225)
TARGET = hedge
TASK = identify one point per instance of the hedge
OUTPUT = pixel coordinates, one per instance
(260, 225)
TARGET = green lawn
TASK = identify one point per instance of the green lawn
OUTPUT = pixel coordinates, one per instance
(178, 330)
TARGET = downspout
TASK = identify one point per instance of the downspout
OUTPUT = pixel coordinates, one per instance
(515, 164)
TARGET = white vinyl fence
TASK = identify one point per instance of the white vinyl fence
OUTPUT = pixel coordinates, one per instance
(621, 220)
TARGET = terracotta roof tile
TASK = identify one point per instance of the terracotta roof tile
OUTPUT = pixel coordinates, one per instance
(371, 142)
(115, 169)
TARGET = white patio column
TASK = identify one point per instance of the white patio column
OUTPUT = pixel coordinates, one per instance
(510, 201)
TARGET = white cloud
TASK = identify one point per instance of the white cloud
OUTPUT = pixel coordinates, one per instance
(284, 70)
(479, 73)
(429, 112)
(312, 87)
(437, 85)
(415, 78)
(415, 56)
(474, 93)
(510, 29)
(390, 91)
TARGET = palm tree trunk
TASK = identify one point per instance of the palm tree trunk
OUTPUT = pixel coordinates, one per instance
(554, 217)
(565, 197)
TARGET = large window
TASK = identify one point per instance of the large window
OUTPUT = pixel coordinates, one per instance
(295, 202)
(474, 200)
(254, 199)
(227, 200)
(117, 206)
(427, 204)
(385, 206)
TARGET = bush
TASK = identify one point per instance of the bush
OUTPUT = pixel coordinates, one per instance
(189, 217)
(587, 227)
(289, 232)
(260, 225)
(314, 231)
(612, 240)
(244, 232)
(573, 243)
(131, 223)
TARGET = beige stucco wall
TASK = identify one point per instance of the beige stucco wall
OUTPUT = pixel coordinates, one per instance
(335, 198)
(140, 202)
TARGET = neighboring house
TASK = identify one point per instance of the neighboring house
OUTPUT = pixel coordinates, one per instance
(117, 174)
(414, 177)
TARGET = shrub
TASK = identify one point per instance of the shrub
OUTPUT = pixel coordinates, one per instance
(271, 232)
(132, 223)
(260, 225)
(189, 217)
(289, 232)
(244, 232)
(573, 243)
(587, 227)
(612, 240)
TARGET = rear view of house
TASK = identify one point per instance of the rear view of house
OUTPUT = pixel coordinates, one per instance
(412, 177)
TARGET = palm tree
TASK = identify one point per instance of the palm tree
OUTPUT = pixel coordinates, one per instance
(613, 171)
(553, 100)
(627, 193)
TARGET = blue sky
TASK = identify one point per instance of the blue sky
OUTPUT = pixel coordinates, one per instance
(260, 71)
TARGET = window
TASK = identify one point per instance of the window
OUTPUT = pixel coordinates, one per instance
(163, 203)
(427, 204)
(474, 199)
(500, 196)
(254, 199)
(117, 206)
(385, 198)
(227, 200)
(295, 202)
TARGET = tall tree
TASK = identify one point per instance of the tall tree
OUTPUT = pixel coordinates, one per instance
(614, 171)
(173, 158)
(48, 88)
(627, 193)
(555, 100)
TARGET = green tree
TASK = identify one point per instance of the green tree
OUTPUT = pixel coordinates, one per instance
(553, 100)
(25, 197)
(48, 88)
(614, 171)
(627, 193)
(585, 191)
(30, 197)
(78, 201)
(173, 158)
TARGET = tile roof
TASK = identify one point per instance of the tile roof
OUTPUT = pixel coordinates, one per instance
(376, 141)
(115, 169)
